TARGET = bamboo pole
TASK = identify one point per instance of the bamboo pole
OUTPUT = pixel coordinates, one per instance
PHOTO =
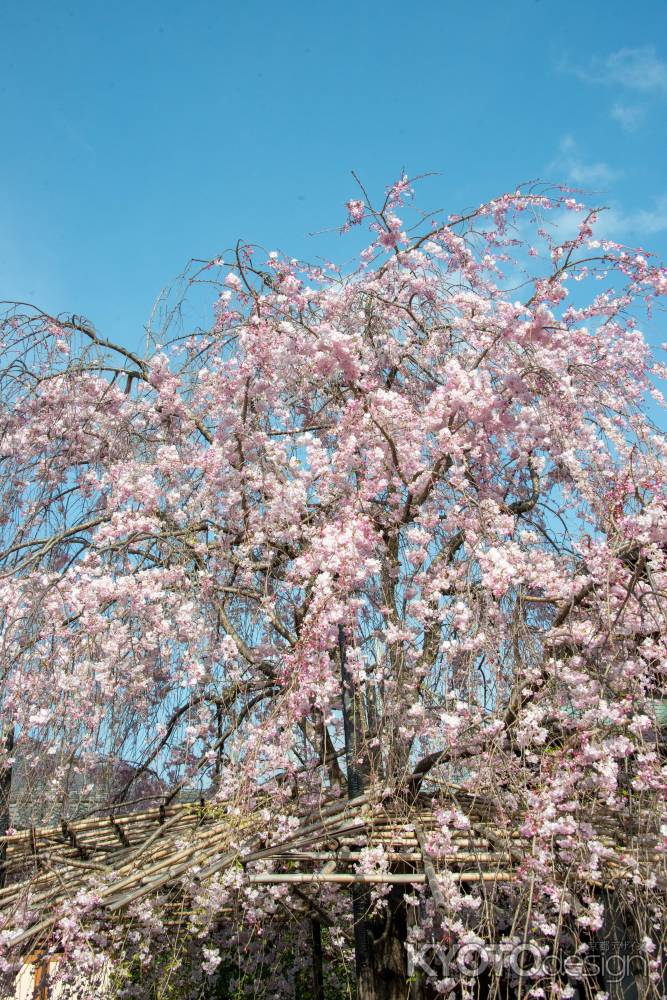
(387, 878)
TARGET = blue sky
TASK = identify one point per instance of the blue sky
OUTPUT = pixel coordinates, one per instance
(138, 135)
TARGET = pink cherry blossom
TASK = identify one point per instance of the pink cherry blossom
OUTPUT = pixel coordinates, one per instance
(463, 483)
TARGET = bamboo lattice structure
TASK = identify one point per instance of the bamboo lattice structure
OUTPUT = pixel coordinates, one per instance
(127, 856)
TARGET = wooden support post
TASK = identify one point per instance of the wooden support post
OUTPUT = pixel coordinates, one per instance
(318, 962)
(120, 832)
(40, 964)
(429, 871)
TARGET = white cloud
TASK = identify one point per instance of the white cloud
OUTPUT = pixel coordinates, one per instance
(635, 69)
(629, 116)
(643, 222)
(569, 165)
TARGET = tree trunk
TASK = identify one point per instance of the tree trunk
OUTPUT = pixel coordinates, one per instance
(384, 976)
(379, 943)
(5, 796)
(615, 952)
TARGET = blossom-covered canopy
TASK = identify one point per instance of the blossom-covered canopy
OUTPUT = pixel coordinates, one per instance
(438, 471)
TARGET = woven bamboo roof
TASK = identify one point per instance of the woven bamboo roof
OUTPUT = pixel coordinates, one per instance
(127, 856)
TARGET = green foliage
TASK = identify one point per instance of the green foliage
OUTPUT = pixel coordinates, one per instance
(283, 971)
